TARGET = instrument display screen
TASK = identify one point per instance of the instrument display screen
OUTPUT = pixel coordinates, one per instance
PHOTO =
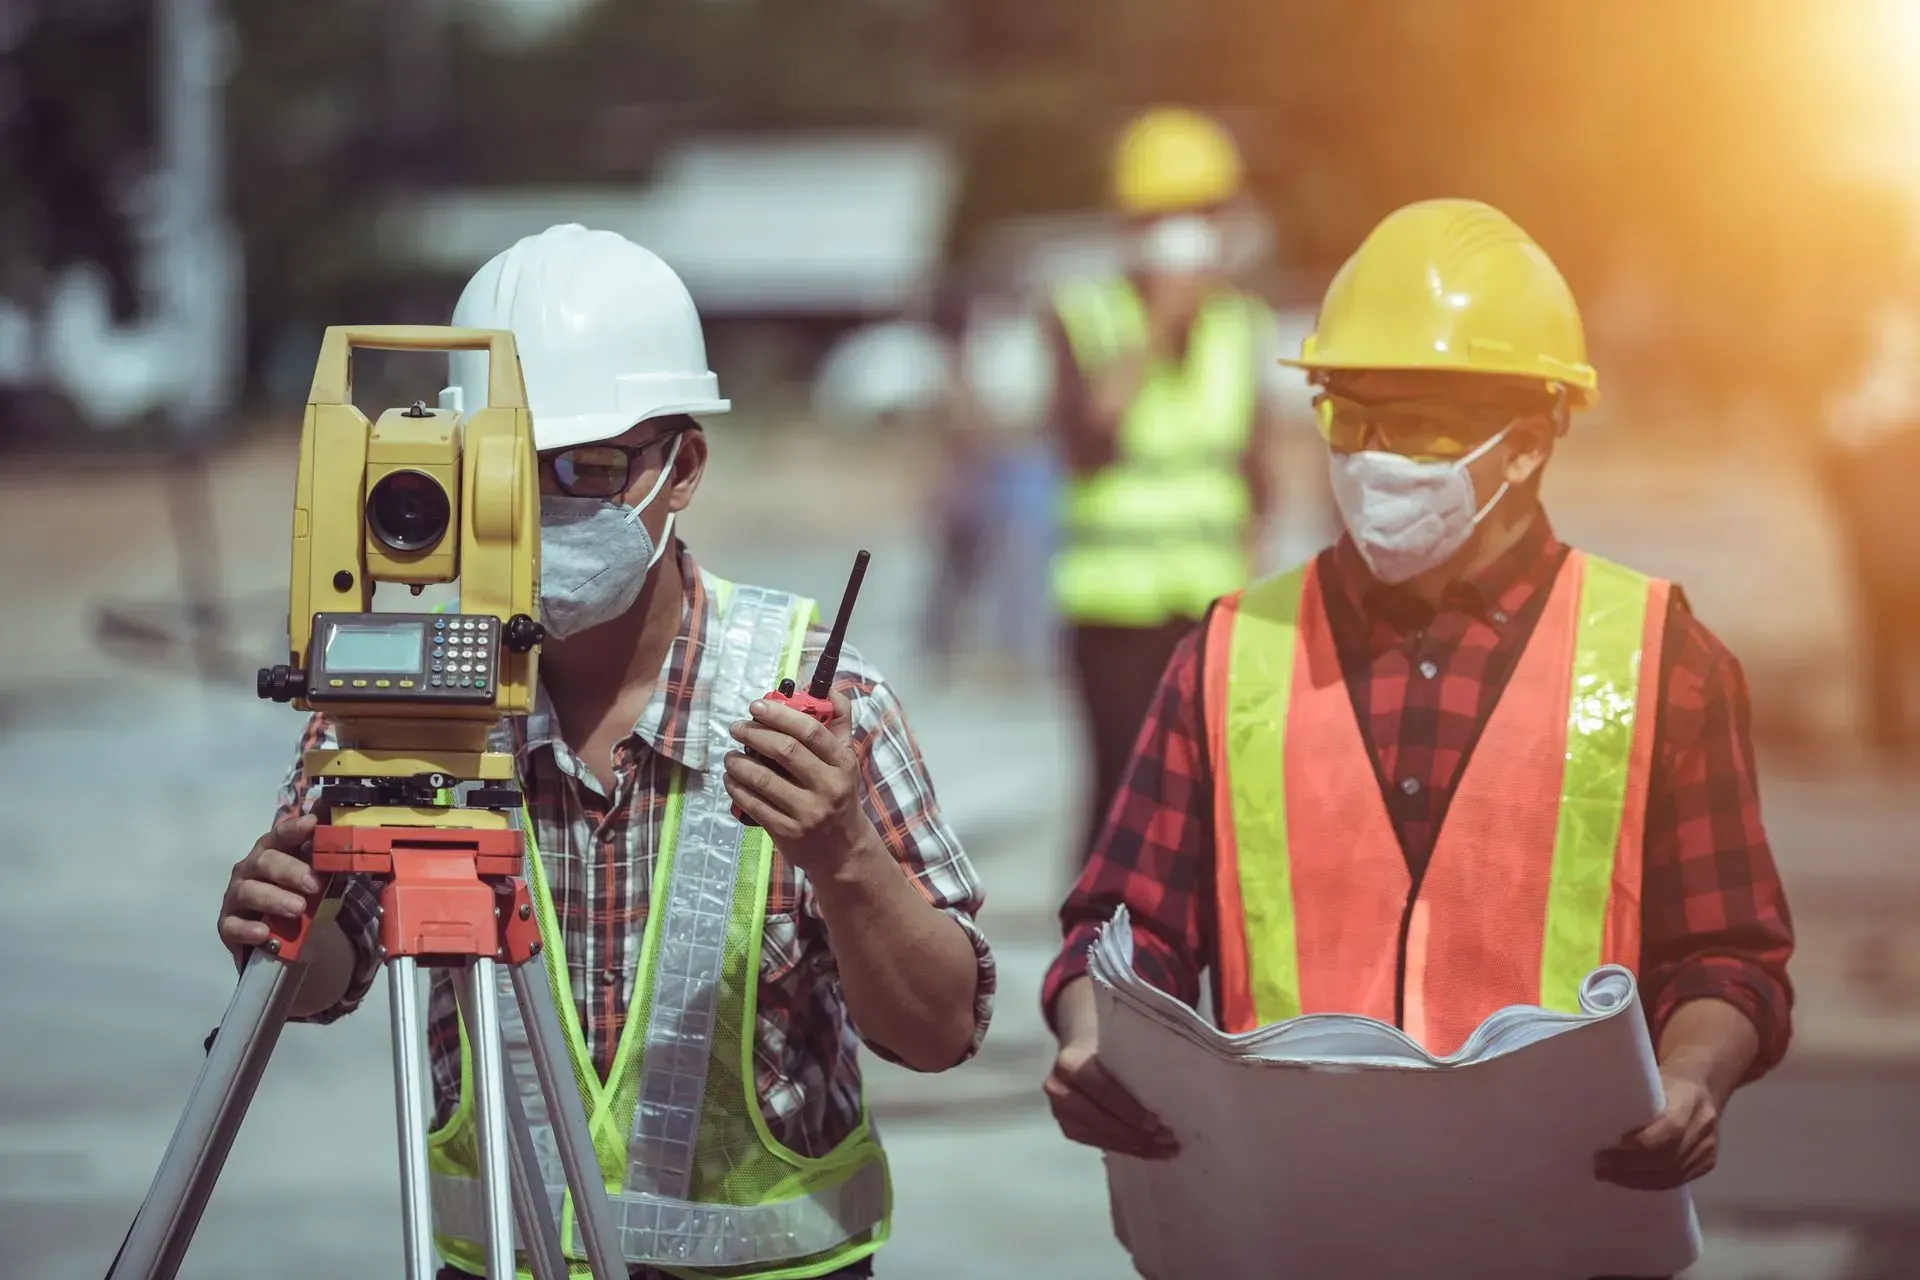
(404, 658)
(355, 647)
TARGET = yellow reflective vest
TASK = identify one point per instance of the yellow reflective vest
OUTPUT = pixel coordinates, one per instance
(698, 1183)
(1160, 532)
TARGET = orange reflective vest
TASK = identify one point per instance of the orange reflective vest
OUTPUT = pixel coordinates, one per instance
(1534, 877)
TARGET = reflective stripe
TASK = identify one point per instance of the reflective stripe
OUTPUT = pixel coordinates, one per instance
(1100, 321)
(659, 1230)
(698, 905)
(1262, 641)
(1600, 733)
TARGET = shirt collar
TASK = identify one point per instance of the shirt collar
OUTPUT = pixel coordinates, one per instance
(1498, 591)
(675, 720)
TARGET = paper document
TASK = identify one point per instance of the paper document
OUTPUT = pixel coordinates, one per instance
(1332, 1145)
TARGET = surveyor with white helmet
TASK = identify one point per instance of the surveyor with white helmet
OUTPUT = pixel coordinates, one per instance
(853, 921)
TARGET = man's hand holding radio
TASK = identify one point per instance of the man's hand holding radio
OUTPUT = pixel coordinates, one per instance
(906, 968)
(804, 788)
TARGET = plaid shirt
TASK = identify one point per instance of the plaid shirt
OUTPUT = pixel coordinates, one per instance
(1423, 682)
(599, 853)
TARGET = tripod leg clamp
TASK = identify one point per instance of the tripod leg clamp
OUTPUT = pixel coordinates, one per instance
(519, 930)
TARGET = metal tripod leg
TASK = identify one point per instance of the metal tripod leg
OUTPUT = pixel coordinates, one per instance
(490, 1112)
(416, 1188)
(593, 1216)
(533, 1214)
(201, 1141)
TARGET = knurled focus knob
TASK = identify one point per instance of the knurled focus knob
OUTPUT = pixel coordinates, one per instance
(281, 683)
(522, 633)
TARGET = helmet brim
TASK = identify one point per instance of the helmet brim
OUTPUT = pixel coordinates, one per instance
(1579, 394)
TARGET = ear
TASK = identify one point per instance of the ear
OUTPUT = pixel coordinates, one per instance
(688, 466)
(1529, 445)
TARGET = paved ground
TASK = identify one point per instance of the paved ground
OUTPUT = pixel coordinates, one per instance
(132, 785)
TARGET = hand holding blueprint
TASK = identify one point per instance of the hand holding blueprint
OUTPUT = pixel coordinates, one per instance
(1335, 1146)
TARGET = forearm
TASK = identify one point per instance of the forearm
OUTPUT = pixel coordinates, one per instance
(1074, 1015)
(330, 963)
(1712, 1042)
(328, 959)
(340, 955)
(907, 969)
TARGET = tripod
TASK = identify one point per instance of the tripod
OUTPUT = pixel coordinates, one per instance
(451, 896)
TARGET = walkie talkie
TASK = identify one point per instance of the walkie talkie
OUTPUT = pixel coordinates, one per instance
(817, 701)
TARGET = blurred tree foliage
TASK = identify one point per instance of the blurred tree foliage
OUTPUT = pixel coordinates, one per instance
(71, 155)
(1674, 153)
(1678, 148)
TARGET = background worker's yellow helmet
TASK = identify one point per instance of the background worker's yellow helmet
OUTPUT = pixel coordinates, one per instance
(1170, 160)
(1455, 286)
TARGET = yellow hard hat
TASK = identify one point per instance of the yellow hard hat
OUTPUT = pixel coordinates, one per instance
(1171, 159)
(1454, 286)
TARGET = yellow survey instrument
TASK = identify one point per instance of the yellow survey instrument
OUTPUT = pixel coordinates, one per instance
(413, 800)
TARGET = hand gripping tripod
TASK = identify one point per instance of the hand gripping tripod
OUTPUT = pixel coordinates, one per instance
(450, 896)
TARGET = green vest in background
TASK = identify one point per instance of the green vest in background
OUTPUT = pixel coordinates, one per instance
(1160, 532)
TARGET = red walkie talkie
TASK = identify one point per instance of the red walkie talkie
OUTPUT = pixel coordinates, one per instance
(817, 701)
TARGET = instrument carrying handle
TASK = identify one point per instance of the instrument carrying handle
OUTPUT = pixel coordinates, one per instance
(333, 372)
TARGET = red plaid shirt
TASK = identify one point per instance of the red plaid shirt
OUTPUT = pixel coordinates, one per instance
(1423, 682)
(599, 854)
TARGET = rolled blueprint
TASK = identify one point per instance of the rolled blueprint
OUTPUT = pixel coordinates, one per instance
(1334, 1145)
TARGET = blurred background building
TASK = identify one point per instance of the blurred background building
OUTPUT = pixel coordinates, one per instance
(869, 200)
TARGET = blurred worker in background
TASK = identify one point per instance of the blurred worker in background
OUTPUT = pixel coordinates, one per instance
(1164, 425)
(860, 911)
(996, 486)
(1873, 456)
(959, 491)
(1451, 764)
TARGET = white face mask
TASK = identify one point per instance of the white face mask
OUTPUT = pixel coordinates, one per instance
(1181, 245)
(595, 556)
(1406, 516)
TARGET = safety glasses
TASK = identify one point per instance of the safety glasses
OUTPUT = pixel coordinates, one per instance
(602, 469)
(1432, 429)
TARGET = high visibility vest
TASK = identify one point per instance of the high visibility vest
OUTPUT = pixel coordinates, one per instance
(1534, 879)
(697, 1181)
(1160, 532)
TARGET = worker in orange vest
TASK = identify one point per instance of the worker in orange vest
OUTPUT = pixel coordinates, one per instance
(1451, 764)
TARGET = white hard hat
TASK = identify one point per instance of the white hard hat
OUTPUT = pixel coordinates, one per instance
(895, 366)
(608, 336)
(1009, 367)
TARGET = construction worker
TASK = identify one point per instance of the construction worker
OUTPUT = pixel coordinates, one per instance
(1163, 425)
(1872, 453)
(1451, 764)
(649, 698)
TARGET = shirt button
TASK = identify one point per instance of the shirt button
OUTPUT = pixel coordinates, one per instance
(1410, 785)
(608, 977)
(1500, 616)
(607, 835)
(1428, 670)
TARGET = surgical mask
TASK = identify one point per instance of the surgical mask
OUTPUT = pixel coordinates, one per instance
(595, 556)
(1407, 516)
(1181, 245)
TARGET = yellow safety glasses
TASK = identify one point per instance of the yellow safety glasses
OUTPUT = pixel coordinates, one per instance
(1428, 430)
